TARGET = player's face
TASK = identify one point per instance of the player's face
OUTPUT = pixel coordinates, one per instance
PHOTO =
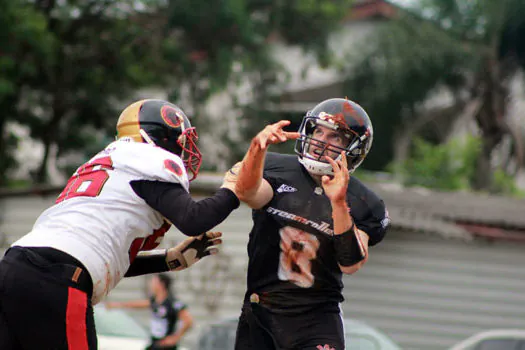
(323, 136)
(155, 285)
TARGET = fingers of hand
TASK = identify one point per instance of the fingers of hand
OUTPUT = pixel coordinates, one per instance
(211, 251)
(344, 161)
(335, 165)
(214, 242)
(213, 235)
(291, 135)
(262, 142)
(282, 136)
(282, 123)
(276, 135)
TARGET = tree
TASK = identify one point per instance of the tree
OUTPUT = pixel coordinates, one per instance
(231, 46)
(92, 54)
(99, 55)
(23, 42)
(468, 50)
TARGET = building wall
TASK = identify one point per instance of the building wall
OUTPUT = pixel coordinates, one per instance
(428, 293)
(422, 290)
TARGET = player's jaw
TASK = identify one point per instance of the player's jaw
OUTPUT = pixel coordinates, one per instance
(317, 150)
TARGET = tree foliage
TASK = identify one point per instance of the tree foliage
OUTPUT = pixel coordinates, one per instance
(68, 66)
(23, 42)
(468, 50)
(448, 166)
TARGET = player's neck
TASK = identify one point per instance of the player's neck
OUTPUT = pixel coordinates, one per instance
(317, 178)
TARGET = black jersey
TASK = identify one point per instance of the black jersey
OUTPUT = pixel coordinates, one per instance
(292, 264)
(164, 317)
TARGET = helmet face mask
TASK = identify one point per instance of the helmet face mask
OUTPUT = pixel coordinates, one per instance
(190, 154)
(317, 149)
(165, 125)
(334, 126)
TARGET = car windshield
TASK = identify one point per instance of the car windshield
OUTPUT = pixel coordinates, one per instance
(117, 323)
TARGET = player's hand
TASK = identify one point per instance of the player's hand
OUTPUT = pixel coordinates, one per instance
(169, 341)
(110, 305)
(192, 249)
(231, 176)
(273, 134)
(335, 187)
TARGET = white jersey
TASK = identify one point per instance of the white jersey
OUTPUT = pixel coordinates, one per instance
(100, 220)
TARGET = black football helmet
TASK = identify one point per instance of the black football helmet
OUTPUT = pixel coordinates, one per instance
(341, 115)
(165, 125)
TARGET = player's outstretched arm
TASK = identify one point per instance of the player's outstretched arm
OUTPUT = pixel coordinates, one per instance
(180, 257)
(131, 304)
(191, 217)
(250, 187)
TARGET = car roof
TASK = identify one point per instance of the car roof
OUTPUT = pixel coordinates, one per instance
(490, 334)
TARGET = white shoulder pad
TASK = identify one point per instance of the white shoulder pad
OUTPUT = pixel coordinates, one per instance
(147, 162)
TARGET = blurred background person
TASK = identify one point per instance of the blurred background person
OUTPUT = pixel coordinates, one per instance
(170, 317)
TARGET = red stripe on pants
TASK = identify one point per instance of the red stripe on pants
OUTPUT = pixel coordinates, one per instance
(76, 320)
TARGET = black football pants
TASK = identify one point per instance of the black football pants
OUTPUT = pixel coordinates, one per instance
(45, 301)
(259, 329)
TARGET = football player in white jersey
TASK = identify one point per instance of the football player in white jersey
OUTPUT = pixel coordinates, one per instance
(105, 225)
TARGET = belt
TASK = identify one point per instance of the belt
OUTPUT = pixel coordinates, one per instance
(58, 263)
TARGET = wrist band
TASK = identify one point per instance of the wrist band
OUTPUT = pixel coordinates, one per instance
(347, 248)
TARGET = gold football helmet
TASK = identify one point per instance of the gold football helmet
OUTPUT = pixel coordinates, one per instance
(165, 125)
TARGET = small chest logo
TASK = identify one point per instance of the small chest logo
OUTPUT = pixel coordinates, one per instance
(286, 188)
(161, 311)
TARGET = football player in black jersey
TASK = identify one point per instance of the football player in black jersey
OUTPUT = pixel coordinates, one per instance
(312, 223)
(166, 312)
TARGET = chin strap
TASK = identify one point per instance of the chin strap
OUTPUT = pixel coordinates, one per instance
(146, 137)
(316, 169)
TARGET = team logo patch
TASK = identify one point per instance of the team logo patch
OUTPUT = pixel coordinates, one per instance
(173, 167)
(286, 188)
(171, 116)
(337, 119)
(161, 311)
(386, 220)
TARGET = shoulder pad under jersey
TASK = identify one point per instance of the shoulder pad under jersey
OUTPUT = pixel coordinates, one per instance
(147, 162)
(276, 162)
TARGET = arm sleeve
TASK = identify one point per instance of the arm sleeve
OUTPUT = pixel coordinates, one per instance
(191, 217)
(178, 306)
(377, 223)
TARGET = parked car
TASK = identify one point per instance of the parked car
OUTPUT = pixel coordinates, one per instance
(358, 336)
(497, 339)
(117, 330)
